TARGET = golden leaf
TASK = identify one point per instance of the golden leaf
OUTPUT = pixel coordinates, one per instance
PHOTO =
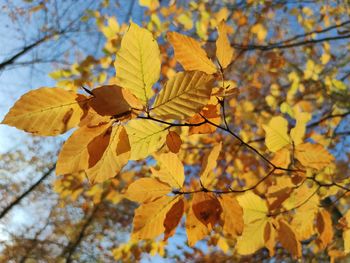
(138, 62)
(190, 53)
(145, 137)
(313, 155)
(146, 189)
(184, 95)
(232, 215)
(270, 237)
(255, 219)
(276, 134)
(224, 51)
(298, 132)
(74, 155)
(113, 159)
(171, 170)
(149, 217)
(208, 164)
(46, 111)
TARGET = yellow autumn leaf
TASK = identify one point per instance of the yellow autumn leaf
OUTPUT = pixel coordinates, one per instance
(270, 237)
(74, 155)
(184, 95)
(190, 53)
(288, 238)
(232, 216)
(255, 219)
(208, 164)
(224, 51)
(298, 132)
(260, 31)
(313, 155)
(171, 170)
(138, 62)
(345, 223)
(146, 189)
(276, 134)
(312, 70)
(305, 212)
(113, 159)
(46, 111)
(145, 137)
(149, 218)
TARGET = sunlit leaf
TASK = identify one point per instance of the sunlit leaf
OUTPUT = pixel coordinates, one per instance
(145, 137)
(171, 170)
(146, 189)
(276, 134)
(149, 218)
(190, 53)
(114, 157)
(138, 62)
(183, 95)
(224, 51)
(46, 111)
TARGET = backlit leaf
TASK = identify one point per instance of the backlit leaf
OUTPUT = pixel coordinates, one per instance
(276, 134)
(183, 95)
(108, 100)
(224, 51)
(145, 137)
(289, 239)
(208, 164)
(195, 229)
(114, 157)
(173, 218)
(46, 111)
(138, 62)
(149, 217)
(232, 216)
(313, 155)
(324, 228)
(255, 219)
(74, 155)
(146, 189)
(171, 170)
(173, 141)
(190, 53)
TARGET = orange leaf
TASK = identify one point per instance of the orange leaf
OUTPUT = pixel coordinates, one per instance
(324, 228)
(190, 53)
(232, 215)
(289, 239)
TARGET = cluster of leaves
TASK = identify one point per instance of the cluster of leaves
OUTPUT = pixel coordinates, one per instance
(127, 120)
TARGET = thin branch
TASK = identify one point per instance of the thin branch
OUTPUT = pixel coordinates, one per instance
(22, 196)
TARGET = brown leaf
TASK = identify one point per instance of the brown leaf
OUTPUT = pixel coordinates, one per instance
(109, 100)
(288, 238)
(173, 141)
(324, 228)
(173, 218)
(206, 208)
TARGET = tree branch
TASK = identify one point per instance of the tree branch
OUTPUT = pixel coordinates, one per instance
(22, 196)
